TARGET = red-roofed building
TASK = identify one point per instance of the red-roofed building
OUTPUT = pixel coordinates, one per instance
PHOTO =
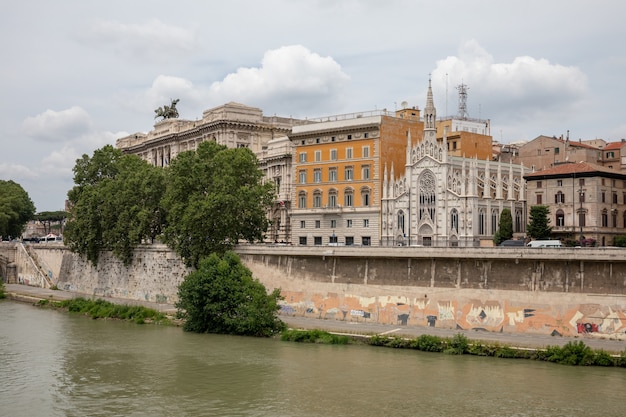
(613, 155)
(545, 152)
(584, 199)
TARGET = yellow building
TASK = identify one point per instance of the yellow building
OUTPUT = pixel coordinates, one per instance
(466, 138)
(338, 169)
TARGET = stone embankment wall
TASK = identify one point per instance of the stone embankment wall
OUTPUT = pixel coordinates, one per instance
(547, 291)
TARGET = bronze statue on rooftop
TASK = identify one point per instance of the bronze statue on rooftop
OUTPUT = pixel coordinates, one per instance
(167, 112)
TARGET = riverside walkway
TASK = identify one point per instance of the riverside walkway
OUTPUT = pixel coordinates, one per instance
(617, 344)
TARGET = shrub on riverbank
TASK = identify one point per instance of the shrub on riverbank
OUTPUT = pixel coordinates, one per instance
(2, 293)
(314, 336)
(98, 309)
(572, 353)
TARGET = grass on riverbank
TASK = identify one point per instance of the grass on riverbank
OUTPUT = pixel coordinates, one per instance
(572, 353)
(101, 309)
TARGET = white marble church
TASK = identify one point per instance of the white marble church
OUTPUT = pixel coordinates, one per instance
(444, 200)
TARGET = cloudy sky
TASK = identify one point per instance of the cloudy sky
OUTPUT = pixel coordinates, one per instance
(76, 75)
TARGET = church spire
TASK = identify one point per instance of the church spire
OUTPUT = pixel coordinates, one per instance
(430, 114)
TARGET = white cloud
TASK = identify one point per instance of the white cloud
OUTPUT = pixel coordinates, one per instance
(16, 172)
(290, 79)
(153, 40)
(526, 87)
(57, 126)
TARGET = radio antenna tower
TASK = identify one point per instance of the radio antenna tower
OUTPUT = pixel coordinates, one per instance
(463, 100)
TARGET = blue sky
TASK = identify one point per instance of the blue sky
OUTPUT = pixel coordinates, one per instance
(77, 75)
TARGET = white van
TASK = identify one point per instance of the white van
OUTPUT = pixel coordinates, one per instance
(545, 244)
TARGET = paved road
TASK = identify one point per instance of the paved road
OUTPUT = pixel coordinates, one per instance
(33, 294)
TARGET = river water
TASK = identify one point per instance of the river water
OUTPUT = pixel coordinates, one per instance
(59, 364)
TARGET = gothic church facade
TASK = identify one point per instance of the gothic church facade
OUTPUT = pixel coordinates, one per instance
(443, 200)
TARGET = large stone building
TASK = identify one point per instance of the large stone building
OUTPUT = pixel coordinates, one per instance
(584, 199)
(545, 152)
(234, 125)
(338, 167)
(443, 200)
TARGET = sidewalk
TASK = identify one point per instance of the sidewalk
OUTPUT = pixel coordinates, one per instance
(596, 341)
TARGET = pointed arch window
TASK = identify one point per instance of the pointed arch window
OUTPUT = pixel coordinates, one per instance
(427, 196)
(481, 221)
(401, 222)
(494, 221)
(454, 220)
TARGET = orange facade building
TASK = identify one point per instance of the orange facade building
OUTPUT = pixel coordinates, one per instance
(338, 168)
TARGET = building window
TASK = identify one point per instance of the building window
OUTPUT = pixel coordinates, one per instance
(317, 175)
(559, 183)
(303, 240)
(624, 220)
(318, 156)
(539, 199)
(302, 200)
(302, 157)
(366, 222)
(348, 153)
(302, 224)
(333, 224)
(560, 218)
(332, 174)
(603, 196)
(317, 240)
(333, 154)
(581, 219)
(581, 197)
(494, 221)
(365, 151)
(559, 198)
(366, 135)
(348, 173)
(401, 221)
(518, 221)
(581, 182)
(556, 151)
(332, 238)
(366, 241)
(365, 172)
(348, 198)
(614, 198)
(318, 224)
(317, 199)
(454, 220)
(332, 139)
(349, 137)
(365, 197)
(349, 223)
(349, 240)
(332, 198)
(605, 218)
(539, 184)
(302, 177)
(481, 221)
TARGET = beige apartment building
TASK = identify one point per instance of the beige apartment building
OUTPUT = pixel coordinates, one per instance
(584, 199)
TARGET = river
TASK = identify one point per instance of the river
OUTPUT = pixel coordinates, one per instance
(59, 364)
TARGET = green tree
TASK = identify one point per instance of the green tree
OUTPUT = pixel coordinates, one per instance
(505, 227)
(221, 296)
(215, 197)
(16, 209)
(46, 218)
(115, 204)
(538, 227)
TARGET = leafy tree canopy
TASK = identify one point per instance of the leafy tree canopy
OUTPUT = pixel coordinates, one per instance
(538, 227)
(115, 204)
(48, 217)
(16, 209)
(505, 227)
(215, 197)
(221, 296)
